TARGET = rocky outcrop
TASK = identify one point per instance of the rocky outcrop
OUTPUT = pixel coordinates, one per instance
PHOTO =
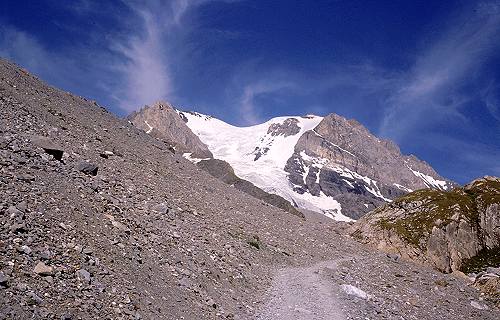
(456, 230)
(289, 127)
(343, 160)
(162, 121)
(223, 171)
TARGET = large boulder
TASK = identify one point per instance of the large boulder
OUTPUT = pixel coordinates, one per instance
(48, 145)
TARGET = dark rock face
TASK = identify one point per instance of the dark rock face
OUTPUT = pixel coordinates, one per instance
(164, 122)
(343, 160)
(446, 230)
(289, 127)
(223, 171)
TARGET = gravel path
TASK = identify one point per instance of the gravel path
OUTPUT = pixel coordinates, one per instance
(303, 293)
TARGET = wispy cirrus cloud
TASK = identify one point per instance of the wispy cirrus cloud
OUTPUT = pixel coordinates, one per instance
(249, 111)
(491, 99)
(145, 71)
(432, 89)
(147, 68)
(129, 66)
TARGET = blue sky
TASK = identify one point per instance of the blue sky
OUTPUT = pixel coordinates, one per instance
(425, 74)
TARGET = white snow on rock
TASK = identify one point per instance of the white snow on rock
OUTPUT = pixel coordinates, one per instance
(237, 146)
(478, 305)
(189, 156)
(343, 172)
(402, 187)
(149, 126)
(430, 181)
(355, 291)
(371, 186)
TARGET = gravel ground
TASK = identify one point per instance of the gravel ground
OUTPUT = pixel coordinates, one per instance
(303, 293)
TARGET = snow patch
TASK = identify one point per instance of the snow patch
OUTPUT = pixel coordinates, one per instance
(317, 175)
(189, 157)
(355, 291)
(305, 174)
(430, 181)
(349, 183)
(402, 187)
(149, 126)
(478, 305)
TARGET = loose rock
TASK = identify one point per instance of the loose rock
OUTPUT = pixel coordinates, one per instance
(43, 269)
(87, 168)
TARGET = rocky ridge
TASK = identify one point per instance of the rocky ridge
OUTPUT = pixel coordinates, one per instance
(341, 159)
(331, 165)
(120, 227)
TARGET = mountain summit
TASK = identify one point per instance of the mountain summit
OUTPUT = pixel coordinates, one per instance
(161, 121)
(326, 164)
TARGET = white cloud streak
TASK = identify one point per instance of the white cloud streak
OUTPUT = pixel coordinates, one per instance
(249, 111)
(430, 91)
(138, 70)
(147, 72)
(491, 99)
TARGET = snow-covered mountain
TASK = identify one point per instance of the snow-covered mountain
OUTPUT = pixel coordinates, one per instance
(259, 154)
(326, 164)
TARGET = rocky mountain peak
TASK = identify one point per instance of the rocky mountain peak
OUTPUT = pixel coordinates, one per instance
(163, 121)
(341, 159)
(331, 165)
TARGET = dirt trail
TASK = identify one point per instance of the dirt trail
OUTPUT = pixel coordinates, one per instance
(303, 293)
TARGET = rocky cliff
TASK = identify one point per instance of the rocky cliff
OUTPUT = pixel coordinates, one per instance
(162, 121)
(343, 160)
(456, 230)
